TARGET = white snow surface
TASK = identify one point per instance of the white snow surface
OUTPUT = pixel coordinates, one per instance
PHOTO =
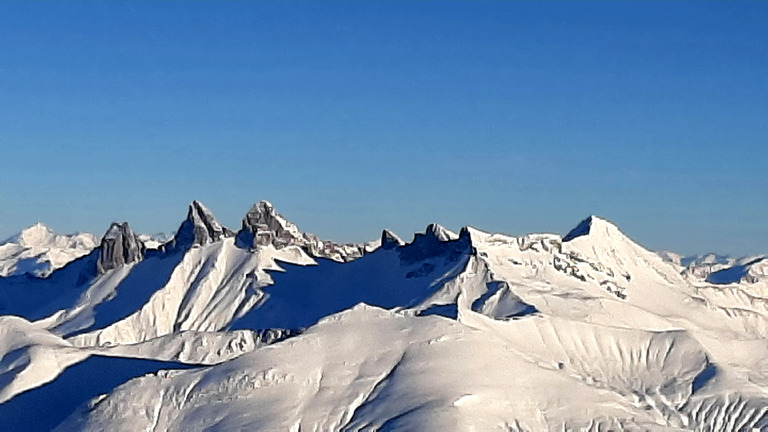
(38, 250)
(154, 241)
(453, 331)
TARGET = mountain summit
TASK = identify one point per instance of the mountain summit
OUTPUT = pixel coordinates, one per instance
(119, 246)
(594, 226)
(200, 227)
(39, 251)
(463, 331)
(264, 226)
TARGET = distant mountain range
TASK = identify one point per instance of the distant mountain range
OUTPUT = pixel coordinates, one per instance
(271, 328)
(38, 250)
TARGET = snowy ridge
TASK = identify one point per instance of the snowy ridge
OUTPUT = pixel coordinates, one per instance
(719, 269)
(29, 356)
(37, 250)
(452, 331)
(263, 225)
(155, 241)
(200, 228)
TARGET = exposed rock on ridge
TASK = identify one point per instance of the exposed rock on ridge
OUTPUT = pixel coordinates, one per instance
(201, 227)
(441, 233)
(596, 227)
(390, 240)
(119, 246)
(435, 241)
(263, 226)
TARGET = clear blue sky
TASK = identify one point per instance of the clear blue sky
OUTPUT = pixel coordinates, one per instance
(355, 116)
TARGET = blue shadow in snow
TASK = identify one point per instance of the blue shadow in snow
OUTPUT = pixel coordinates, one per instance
(302, 295)
(514, 309)
(34, 298)
(45, 407)
(704, 377)
(447, 310)
(732, 274)
(133, 292)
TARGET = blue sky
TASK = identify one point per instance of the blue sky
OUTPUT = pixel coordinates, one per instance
(355, 116)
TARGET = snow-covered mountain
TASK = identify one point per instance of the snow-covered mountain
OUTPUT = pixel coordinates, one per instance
(262, 226)
(154, 241)
(39, 251)
(271, 328)
(720, 269)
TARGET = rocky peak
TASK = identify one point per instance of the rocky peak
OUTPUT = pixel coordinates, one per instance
(201, 227)
(594, 226)
(440, 232)
(119, 246)
(390, 240)
(262, 226)
(436, 241)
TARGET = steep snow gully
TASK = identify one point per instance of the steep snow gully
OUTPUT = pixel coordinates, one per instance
(272, 328)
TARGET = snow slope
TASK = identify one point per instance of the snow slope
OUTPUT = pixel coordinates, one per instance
(451, 331)
(424, 373)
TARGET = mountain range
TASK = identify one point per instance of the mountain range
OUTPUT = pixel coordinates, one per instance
(272, 328)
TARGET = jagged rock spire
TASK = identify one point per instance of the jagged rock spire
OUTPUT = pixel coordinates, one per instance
(390, 240)
(440, 232)
(262, 225)
(434, 242)
(201, 227)
(119, 246)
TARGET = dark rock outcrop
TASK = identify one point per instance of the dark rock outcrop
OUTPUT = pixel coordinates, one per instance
(264, 226)
(119, 246)
(581, 229)
(201, 227)
(390, 240)
(440, 233)
(437, 241)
